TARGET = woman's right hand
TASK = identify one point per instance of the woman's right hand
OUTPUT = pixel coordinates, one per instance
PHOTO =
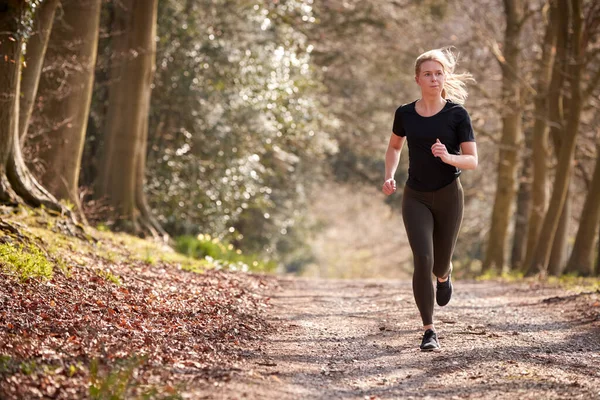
(389, 186)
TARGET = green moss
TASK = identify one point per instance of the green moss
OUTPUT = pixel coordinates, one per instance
(102, 228)
(196, 267)
(27, 261)
(109, 276)
(146, 251)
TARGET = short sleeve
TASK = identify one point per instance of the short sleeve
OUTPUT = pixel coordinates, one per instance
(398, 127)
(464, 129)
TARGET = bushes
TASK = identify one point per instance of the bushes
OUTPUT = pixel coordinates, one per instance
(220, 254)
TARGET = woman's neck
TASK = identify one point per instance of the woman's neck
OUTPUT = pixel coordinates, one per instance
(432, 102)
(430, 105)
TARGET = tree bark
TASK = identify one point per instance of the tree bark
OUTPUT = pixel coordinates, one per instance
(65, 96)
(581, 261)
(558, 252)
(147, 220)
(34, 59)
(16, 182)
(123, 160)
(565, 160)
(10, 67)
(511, 135)
(522, 214)
(540, 148)
(598, 255)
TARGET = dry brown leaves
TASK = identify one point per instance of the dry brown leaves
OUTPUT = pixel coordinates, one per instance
(170, 326)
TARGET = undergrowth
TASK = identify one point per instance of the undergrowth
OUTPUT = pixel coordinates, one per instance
(119, 382)
(220, 254)
(25, 261)
(44, 243)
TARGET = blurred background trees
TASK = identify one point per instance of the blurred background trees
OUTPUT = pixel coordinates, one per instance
(263, 123)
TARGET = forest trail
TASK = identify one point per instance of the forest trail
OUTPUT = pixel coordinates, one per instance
(359, 340)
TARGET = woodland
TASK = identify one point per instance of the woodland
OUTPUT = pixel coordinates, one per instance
(229, 118)
(249, 136)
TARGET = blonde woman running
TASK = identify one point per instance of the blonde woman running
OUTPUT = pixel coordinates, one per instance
(440, 144)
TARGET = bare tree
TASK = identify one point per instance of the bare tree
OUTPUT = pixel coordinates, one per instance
(581, 261)
(574, 18)
(522, 210)
(540, 145)
(509, 60)
(65, 94)
(123, 162)
(34, 60)
(16, 182)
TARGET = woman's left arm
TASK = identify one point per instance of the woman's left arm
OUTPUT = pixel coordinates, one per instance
(466, 160)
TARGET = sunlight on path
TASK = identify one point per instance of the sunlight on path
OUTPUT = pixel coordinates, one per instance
(359, 340)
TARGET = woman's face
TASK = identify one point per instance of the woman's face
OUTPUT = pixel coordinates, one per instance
(431, 78)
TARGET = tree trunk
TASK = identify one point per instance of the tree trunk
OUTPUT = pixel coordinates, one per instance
(16, 182)
(598, 255)
(65, 95)
(581, 261)
(522, 214)
(558, 253)
(540, 148)
(511, 134)
(148, 221)
(121, 175)
(10, 66)
(565, 160)
(34, 59)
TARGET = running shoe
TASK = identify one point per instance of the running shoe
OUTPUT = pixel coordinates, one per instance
(443, 291)
(430, 341)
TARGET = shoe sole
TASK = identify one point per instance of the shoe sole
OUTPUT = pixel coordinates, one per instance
(435, 349)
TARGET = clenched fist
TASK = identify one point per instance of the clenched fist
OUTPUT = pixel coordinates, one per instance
(439, 150)
(389, 186)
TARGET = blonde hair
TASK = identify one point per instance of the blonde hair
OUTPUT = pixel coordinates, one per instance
(455, 84)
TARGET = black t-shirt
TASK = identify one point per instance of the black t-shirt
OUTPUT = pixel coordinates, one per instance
(452, 125)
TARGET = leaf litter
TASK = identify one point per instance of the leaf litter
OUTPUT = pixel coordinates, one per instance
(150, 333)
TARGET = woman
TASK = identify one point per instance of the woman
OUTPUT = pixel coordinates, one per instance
(440, 143)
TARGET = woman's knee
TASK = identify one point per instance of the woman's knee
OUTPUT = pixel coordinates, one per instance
(441, 269)
(423, 263)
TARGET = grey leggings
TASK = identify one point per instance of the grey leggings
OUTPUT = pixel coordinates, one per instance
(432, 221)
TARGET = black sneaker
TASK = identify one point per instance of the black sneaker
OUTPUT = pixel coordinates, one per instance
(443, 291)
(430, 341)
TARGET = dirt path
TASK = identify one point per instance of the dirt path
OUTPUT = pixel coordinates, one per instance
(359, 340)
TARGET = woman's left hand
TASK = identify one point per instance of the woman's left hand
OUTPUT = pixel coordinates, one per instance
(439, 150)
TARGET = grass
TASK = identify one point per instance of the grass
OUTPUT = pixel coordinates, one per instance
(508, 276)
(43, 246)
(109, 276)
(10, 366)
(118, 382)
(576, 283)
(567, 282)
(64, 252)
(221, 255)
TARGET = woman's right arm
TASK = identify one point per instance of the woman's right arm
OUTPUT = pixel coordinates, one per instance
(392, 157)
